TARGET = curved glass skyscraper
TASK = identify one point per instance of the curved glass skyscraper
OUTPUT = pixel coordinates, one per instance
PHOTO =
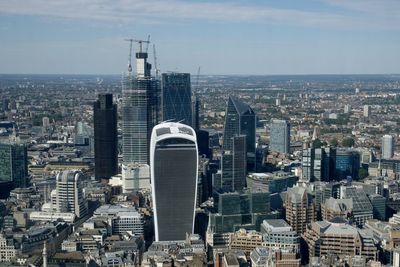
(173, 161)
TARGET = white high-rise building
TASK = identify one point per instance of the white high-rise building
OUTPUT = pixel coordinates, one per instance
(367, 111)
(70, 193)
(387, 146)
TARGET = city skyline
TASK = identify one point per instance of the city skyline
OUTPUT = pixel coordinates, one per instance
(239, 37)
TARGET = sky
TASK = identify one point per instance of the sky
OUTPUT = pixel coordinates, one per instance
(260, 37)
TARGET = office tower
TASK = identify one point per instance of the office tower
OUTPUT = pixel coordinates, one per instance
(300, 209)
(318, 164)
(280, 136)
(13, 167)
(347, 163)
(387, 146)
(196, 112)
(139, 111)
(240, 209)
(378, 203)
(5, 104)
(362, 207)
(45, 122)
(105, 137)
(233, 166)
(176, 97)
(274, 182)
(325, 238)
(173, 161)
(367, 111)
(70, 193)
(203, 143)
(240, 119)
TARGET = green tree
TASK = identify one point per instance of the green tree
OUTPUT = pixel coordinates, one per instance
(334, 142)
(348, 142)
(317, 143)
(362, 173)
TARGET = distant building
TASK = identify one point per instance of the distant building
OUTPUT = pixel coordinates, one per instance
(176, 97)
(347, 163)
(174, 163)
(280, 136)
(105, 137)
(387, 146)
(367, 111)
(70, 196)
(13, 167)
(300, 209)
(378, 203)
(318, 164)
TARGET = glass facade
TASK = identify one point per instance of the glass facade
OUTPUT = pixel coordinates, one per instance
(105, 137)
(140, 112)
(280, 136)
(347, 163)
(177, 97)
(13, 164)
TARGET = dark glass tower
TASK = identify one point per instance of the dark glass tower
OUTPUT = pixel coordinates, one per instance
(234, 166)
(13, 167)
(240, 119)
(105, 137)
(174, 175)
(177, 97)
(139, 111)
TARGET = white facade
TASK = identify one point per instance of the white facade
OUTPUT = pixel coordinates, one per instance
(367, 111)
(7, 250)
(70, 193)
(68, 217)
(135, 176)
(387, 146)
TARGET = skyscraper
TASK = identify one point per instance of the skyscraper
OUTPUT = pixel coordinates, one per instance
(233, 166)
(318, 164)
(387, 146)
(174, 159)
(70, 193)
(367, 111)
(105, 137)
(139, 111)
(13, 167)
(177, 97)
(280, 136)
(240, 119)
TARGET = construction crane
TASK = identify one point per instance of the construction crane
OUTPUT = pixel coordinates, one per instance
(155, 61)
(147, 43)
(130, 54)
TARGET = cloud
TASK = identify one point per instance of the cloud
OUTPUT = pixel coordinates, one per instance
(157, 11)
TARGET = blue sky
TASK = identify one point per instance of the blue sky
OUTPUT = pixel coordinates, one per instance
(221, 36)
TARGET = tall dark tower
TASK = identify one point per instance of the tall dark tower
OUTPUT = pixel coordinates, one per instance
(177, 97)
(240, 119)
(105, 137)
(174, 174)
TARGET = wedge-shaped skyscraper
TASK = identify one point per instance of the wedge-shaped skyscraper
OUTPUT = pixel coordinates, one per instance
(173, 161)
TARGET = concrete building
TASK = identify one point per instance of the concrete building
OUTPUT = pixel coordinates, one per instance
(300, 209)
(121, 219)
(367, 111)
(333, 207)
(339, 238)
(278, 234)
(8, 249)
(273, 182)
(70, 196)
(245, 240)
